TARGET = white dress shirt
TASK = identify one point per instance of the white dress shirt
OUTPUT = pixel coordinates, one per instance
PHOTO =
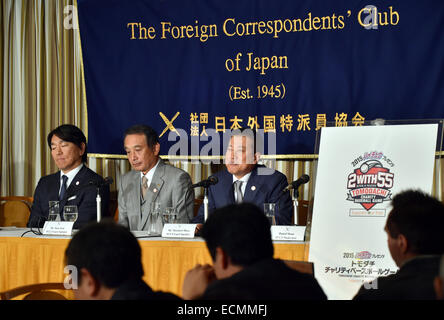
(244, 180)
(149, 174)
(71, 174)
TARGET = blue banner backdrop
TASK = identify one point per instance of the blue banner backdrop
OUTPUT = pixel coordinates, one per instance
(280, 66)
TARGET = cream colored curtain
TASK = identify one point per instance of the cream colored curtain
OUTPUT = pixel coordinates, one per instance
(42, 87)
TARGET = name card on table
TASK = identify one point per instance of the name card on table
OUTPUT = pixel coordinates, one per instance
(58, 228)
(178, 230)
(288, 233)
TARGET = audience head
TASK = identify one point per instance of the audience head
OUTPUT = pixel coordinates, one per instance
(242, 155)
(106, 255)
(68, 146)
(414, 226)
(142, 147)
(237, 235)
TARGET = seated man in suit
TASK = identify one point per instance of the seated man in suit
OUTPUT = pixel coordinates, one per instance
(108, 261)
(151, 180)
(71, 185)
(238, 238)
(416, 242)
(244, 180)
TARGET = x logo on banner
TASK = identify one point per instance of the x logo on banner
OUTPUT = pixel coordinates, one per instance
(169, 123)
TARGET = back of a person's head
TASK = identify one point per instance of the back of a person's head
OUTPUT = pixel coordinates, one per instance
(242, 231)
(108, 251)
(420, 218)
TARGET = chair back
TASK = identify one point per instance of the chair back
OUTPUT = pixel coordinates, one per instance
(15, 211)
(40, 291)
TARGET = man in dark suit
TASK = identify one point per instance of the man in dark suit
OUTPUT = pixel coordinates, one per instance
(416, 242)
(107, 258)
(238, 238)
(73, 184)
(246, 181)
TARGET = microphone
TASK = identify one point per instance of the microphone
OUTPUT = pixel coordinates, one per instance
(295, 184)
(206, 183)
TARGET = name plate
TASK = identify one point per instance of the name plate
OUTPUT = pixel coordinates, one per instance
(178, 230)
(288, 233)
(58, 228)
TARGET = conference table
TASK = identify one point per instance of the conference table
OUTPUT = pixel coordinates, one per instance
(31, 258)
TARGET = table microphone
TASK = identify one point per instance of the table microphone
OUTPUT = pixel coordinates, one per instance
(207, 182)
(295, 184)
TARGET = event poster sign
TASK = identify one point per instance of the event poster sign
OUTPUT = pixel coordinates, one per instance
(359, 172)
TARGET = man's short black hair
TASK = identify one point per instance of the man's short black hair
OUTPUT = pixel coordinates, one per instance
(152, 138)
(70, 133)
(420, 218)
(108, 251)
(242, 231)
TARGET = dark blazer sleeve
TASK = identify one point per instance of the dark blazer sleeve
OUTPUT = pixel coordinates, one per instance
(284, 212)
(200, 217)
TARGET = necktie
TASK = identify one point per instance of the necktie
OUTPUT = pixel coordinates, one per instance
(144, 186)
(63, 189)
(238, 192)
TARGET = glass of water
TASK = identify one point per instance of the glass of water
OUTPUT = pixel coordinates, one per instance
(270, 212)
(70, 213)
(169, 215)
(54, 211)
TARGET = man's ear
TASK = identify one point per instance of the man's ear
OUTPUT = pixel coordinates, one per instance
(222, 258)
(403, 243)
(156, 149)
(90, 284)
(257, 156)
(82, 148)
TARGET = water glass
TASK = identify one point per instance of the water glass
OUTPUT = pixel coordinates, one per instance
(54, 211)
(154, 225)
(169, 215)
(70, 213)
(270, 212)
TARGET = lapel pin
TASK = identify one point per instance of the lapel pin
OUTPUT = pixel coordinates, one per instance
(154, 190)
(253, 188)
(77, 183)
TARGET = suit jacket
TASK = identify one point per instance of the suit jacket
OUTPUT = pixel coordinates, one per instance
(413, 281)
(139, 290)
(170, 186)
(269, 279)
(260, 189)
(48, 189)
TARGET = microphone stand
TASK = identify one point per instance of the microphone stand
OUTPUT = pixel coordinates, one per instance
(295, 196)
(98, 204)
(205, 202)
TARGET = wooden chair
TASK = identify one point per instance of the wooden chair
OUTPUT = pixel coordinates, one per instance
(15, 211)
(40, 291)
(301, 266)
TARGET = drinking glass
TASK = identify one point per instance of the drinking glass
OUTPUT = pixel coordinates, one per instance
(169, 215)
(54, 211)
(70, 213)
(153, 218)
(270, 211)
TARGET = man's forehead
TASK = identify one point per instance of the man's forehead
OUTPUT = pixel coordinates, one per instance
(241, 141)
(135, 140)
